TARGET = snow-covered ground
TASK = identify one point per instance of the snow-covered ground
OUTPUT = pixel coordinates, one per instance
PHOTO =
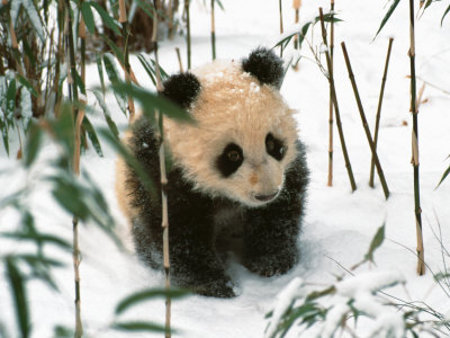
(339, 225)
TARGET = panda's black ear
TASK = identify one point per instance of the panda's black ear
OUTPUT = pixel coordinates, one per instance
(182, 88)
(265, 65)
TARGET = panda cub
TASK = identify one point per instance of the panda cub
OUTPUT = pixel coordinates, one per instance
(237, 182)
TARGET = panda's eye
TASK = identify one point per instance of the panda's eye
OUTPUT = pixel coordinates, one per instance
(234, 156)
(275, 147)
(230, 160)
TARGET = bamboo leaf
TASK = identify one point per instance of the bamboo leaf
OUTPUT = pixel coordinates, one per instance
(34, 17)
(111, 125)
(39, 237)
(150, 101)
(139, 326)
(145, 295)
(376, 243)
(387, 16)
(33, 144)
(445, 14)
(148, 68)
(17, 284)
(100, 73)
(106, 18)
(11, 100)
(116, 50)
(113, 75)
(444, 176)
(27, 84)
(88, 16)
(87, 125)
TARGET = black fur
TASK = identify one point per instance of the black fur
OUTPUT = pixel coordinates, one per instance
(225, 164)
(275, 147)
(265, 66)
(182, 88)
(269, 233)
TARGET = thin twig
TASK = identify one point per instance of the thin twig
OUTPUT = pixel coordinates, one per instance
(364, 121)
(179, 59)
(330, 78)
(330, 118)
(165, 213)
(378, 116)
(188, 33)
(415, 146)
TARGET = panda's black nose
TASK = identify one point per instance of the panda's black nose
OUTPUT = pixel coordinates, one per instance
(266, 198)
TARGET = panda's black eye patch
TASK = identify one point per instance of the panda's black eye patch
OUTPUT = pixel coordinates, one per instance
(275, 147)
(230, 160)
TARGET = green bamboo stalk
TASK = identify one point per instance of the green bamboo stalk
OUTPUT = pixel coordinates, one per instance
(337, 114)
(364, 121)
(213, 30)
(164, 199)
(188, 34)
(415, 146)
(330, 119)
(378, 116)
(76, 250)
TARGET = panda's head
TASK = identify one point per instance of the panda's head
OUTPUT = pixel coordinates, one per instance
(244, 138)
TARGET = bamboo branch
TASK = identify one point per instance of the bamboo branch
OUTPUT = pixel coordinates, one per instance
(165, 213)
(78, 118)
(179, 59)
(188, 34)
(415, 146)
(125, 34)
(364, 121)
(330, 118)
(378, 116)
(337, 114)
(213, 31)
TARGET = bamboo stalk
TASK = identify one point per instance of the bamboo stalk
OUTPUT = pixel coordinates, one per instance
(188, 35)
(330, 118)
(165, 213)
(179, 59)
(280, 2)
(415, 146)
(296, 4)
(213, 31)
(364, 121)
(170, 23)
(337, 114)
(78, 118)
(125, 34)
(378, 116)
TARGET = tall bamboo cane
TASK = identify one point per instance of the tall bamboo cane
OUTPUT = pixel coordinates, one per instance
(415, 145)
(364, 121)
(337, 114)
(164, 181)
(378, 116)
(188, 33)
(76, 167)
(330, 118)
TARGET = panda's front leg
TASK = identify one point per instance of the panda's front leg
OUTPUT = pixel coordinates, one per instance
(194, 261)
(270, 238)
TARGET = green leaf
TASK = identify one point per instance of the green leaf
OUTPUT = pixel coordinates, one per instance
(111, 124)
(38, 237)
(111, 71)
(444, 176)
(146, 6)
(100, 73)
(445, 14)
(92, 136)
(34, 260)
(150, 102)
(220, 4)
(11, 100)
(88, 16)
(145, 295)
(139, 326)
(107, 19)
(116, 50)
(33, 144)
(63, 332)
(28, 85)
(34, 18)
(148, 68)
(62, 129)
(17, 283)
(130, 160)
(4, 130)
(387, 16)
(376, 242)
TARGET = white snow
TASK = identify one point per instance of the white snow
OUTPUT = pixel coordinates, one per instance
(338, 226)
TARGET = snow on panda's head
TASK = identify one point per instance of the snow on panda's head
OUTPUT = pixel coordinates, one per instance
(244, 137)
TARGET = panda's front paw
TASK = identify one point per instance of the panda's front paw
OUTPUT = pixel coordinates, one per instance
(219, 289)
(271, 265)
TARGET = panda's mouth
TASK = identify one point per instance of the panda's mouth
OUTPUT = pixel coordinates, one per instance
(265, 198)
